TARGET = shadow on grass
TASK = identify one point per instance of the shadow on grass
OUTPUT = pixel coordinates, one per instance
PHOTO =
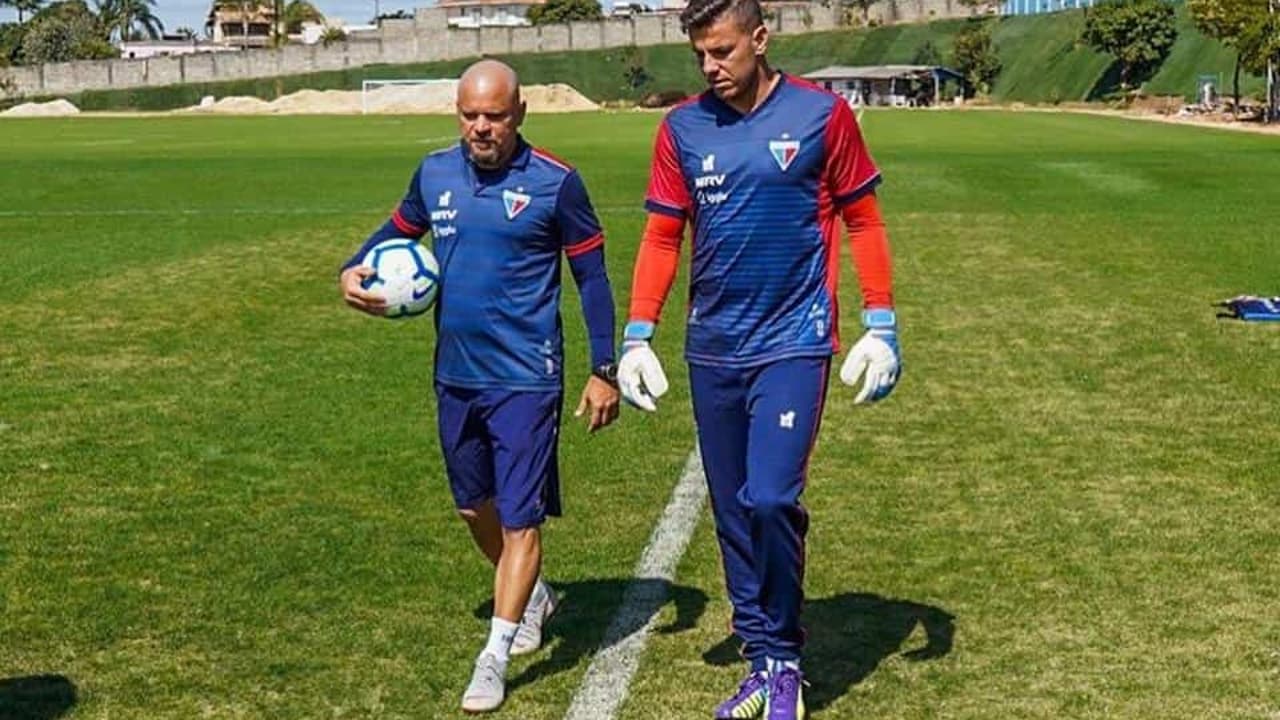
(38, 697)
(849, 635)
(1108, 85)
(585, 621)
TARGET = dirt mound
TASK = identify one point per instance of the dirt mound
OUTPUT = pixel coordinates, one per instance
(556, 97)
(236, 105)
(55, 108)
(431, 99)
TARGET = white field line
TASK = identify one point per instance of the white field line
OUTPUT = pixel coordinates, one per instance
(608, 677)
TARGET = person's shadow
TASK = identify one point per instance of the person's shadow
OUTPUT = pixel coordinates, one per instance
(588, 619)
(848, 635)
(38, 697)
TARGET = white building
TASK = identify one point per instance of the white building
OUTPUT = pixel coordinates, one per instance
(139, 49)
(487, 13)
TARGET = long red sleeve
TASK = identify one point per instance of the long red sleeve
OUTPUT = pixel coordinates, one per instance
(656, 265)
(870, 245)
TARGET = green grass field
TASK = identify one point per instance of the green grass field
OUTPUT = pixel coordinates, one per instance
(221, 495)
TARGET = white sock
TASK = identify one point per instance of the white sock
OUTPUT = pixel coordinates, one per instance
(776, 665)
(501, 634)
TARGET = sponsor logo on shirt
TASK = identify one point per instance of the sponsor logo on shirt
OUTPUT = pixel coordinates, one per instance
(818, 317)
(787, 420)
(443, 216)
(707, 183)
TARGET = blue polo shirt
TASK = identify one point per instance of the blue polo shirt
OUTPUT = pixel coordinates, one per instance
(499, 238)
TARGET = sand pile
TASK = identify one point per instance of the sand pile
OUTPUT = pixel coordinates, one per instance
(55, 108)
(431, 99)
(307, 102)
(238, 105)
(556, 97)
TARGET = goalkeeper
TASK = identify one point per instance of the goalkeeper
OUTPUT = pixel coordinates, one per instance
(765, 167)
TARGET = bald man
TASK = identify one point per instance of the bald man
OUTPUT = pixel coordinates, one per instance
(500, 214)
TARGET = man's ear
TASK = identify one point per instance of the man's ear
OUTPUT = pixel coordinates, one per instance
(760, 40)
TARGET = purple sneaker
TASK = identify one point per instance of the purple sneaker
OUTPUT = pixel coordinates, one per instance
(749, 702)
(784, 697)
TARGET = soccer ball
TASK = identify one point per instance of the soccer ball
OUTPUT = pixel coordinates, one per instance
(405, 273)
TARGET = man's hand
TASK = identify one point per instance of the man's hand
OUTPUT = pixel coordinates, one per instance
(875, 358)
(640, 375)
(356, 296)
(599, 403)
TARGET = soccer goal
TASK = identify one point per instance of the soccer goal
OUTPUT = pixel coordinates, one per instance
(368, 88)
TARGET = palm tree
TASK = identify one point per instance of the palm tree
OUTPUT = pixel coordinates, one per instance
(298, 12)
(129, 19)
(23, 7)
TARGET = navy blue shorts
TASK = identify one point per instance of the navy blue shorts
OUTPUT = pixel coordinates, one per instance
(501, 445)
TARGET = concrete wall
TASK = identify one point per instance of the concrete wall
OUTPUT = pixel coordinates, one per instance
(425, 38)
(586, 35)
(648, 30)
(618, 33)
(525, 40)
(495, 40)
(128, 73)
(555, 38)
(400, 50)
(904, 11)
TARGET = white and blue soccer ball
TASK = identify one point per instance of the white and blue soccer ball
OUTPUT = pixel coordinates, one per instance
(405, 273)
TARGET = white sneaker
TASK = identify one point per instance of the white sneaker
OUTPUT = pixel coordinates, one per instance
(488, 685)
(529, 634)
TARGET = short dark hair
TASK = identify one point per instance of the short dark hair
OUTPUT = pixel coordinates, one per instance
(699, 14)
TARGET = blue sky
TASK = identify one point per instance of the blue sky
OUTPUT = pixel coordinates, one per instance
(191, 13)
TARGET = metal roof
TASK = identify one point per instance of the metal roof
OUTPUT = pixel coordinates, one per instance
(879, 72)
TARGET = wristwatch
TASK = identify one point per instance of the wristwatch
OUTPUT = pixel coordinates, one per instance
(607, 372)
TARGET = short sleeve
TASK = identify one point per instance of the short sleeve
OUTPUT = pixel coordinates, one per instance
(667, 194)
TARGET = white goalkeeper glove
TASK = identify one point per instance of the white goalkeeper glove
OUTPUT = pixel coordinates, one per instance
(875, 358)
(640, 376)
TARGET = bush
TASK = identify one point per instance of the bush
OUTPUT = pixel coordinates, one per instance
(663, 98)
(975, 57)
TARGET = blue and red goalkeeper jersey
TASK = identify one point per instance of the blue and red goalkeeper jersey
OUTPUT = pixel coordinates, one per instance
(763, 192)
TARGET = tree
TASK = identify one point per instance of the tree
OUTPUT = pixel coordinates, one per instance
(981, 6)
(332, 35)
(185, 32)
(24, 7)
(563, 11)
(975, 57)
(130, 19)
(864, 9)
(298, 12)
(1137, 33)
(1245, 26)
(65, 31)
(927, 54)
(11, 35)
